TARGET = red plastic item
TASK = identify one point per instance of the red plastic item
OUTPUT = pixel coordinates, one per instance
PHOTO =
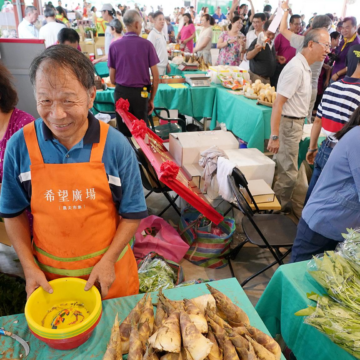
(154, 149)
(71, 343)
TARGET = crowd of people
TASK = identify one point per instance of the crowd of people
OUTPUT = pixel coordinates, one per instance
(314, 68)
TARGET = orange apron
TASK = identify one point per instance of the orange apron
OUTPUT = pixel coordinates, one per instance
(75, 219)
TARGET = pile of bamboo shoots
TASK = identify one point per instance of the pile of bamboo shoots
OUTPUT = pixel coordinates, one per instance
(207, 327)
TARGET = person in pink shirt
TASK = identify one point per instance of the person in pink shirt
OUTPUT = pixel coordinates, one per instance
(284, 51)
(187, 34)
(11, 119)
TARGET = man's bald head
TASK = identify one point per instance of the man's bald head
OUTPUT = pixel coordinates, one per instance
(131, 17)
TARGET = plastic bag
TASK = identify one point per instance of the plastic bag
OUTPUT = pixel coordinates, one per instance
(161, 238)
(350, 248)
(156, 273)
(334, 273)
(338, 323)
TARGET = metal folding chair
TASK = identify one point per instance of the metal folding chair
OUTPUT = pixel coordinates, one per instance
(271, 231)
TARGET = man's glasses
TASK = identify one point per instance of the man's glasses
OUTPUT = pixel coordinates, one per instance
(326, 46)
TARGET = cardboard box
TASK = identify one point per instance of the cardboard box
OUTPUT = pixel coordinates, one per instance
(87, 47)
(260, 190)
(253, 164)
(186, 147)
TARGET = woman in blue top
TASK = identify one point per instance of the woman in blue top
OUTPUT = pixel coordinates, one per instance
(334, 205)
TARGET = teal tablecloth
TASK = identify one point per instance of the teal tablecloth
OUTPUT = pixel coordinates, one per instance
(102, 69)
(248, 121)
(95, 347)
(195, 102)
(176, 71)
(304, 145)
(285, 295)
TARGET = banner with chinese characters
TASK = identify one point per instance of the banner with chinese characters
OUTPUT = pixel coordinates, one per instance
(165, 166)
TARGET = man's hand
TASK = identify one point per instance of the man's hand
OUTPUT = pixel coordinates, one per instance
(258, 48)
(34, 279)
(281, 59)
(95, 61)
(274, 146)
(285, 4)
(310, 157)
(103, 273)
(335, 77)
(150, 107)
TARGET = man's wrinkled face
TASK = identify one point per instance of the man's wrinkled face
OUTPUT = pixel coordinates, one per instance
(32, 17)
(348, 30)
(62, 102)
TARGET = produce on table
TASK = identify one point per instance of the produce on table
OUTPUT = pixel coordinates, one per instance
(215, 353)
(229, 350)
(160, 313)
(337, 322)
(136, 347)
(168, 337)
(150, 354)
(175, 332)
(263, 92)
(155, 274)
(335, 274)
(114, 351)
(260, 351)
(204, 301)
(146, 322)
(233, 314)
(125, 327)
(196, 316)
(197, 345)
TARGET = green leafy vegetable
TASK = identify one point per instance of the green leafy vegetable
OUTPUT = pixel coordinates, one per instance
(337, 322)
(12, 295)
(155, 275)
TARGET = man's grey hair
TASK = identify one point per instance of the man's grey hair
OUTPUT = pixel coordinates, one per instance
(29, 10)
(131, 16)
(312, 35)
(321, 21)
(68, 58)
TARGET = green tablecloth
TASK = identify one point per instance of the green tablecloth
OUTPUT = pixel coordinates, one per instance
(195, 102)
(285, 295)
(102, 69)
(176, 71)
(95, 347)
(243, 117)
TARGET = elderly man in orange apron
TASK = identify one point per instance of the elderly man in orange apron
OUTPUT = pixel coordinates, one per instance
(79, 178)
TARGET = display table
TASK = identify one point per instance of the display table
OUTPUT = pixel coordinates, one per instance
(102, 69)
(285, 295)
(175, 71)
(194, 102)
(95, 347)
(248, 121)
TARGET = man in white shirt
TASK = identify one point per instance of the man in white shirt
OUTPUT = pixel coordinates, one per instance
(50, 31)
(157, 38)
(290, 110)
(27, 29)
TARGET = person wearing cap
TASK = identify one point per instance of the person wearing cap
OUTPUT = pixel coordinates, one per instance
(116, 30)
(157, 38)
(130, 59)
(108, 14)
